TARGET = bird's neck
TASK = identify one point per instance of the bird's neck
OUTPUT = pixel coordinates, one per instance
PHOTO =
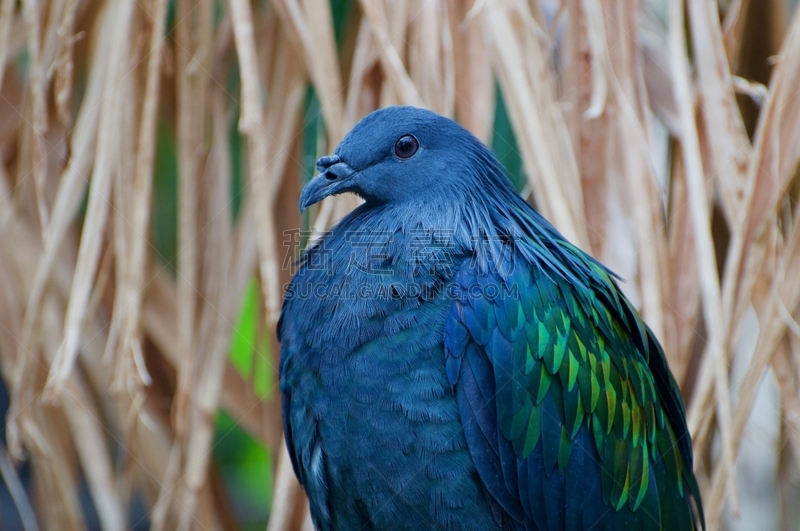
(478, 225)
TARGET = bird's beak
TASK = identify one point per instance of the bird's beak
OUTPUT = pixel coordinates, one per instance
(334, 178)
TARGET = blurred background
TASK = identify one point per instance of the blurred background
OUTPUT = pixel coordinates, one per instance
(151, 157)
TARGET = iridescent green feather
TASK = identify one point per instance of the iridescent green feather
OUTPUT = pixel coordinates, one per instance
(598, 378)
(579, 357)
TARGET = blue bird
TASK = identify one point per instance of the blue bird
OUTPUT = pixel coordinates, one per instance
(450, 361)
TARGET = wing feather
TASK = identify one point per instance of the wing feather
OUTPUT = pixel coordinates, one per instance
(571, 414)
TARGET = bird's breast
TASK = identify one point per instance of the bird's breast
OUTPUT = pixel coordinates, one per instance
(373, 408)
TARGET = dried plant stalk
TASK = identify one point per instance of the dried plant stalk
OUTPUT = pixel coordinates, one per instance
(706, 260)
(99, 199)
(544, 143)
(626, 119)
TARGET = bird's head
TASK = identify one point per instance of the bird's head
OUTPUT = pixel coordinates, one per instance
(394, 155)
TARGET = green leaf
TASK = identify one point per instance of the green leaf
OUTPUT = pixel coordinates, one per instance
(164, 216)
(250, 344)
(263, 380)
(247, 468)
(504, 143)
(243, 342)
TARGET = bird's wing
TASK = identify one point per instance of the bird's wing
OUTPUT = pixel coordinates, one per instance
(300, 431)
(570, 412)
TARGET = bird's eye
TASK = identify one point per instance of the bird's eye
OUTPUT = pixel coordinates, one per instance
(406, 146)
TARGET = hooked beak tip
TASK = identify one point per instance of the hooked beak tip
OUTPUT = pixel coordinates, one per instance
(307, 198)
(331, 180)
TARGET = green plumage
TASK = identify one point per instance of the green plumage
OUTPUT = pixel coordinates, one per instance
(570, 355)
(594, 385)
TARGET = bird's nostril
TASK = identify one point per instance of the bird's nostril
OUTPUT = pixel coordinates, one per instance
(326, 162)
(331, 176)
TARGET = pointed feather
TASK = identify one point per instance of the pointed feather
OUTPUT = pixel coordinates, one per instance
(551, 433)
(640, 471)
(626, 420)
(572, 377)
(575, 480)
(539, 383)
(530, 359)
(520, 421)
(505, 322)
(637, 381)
(532, 433)
(536, 488)
(619, 463)
(555, 499)
(611, 400)
(585, 386)
(573, 411)
(581, 347)
(564, 450)
(475, 325)
(508, 463)
(607, 468)
(636, 427)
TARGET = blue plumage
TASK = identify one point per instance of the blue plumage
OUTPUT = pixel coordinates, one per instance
(449, 361)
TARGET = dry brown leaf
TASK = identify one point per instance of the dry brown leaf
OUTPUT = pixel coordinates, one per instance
(98, 205)
(683, 301)
(543, 139)
(140, 206)
(319, 52)
(73, 180)
(474, 81)
(724, 126)
(393, 68)
(706, 259)
(6, 20)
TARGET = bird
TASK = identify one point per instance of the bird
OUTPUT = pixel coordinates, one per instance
(450, 361)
